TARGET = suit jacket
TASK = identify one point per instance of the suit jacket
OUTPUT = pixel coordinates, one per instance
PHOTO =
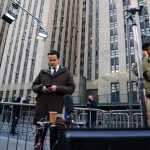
(46, 102)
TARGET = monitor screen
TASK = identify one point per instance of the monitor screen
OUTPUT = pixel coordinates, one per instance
(104, 139)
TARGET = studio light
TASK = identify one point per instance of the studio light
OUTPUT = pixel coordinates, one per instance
(134, 3)
(9, 17)
(42, 33)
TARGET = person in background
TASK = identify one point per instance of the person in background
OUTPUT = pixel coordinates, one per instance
(1, 106)
(51, 85)
(146, 76)
(91, 115)
(15, 116)
(13, 99)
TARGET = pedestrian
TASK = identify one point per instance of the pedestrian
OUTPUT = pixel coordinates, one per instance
(50, 86)
(91, 115)
(15, 116)
(13, 98)
(1, 106)
(146, 76)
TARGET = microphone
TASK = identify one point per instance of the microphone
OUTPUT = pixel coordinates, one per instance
(68, 103)
(69, 106)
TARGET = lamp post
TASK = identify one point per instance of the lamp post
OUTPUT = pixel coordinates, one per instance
(135, 7)
(10, 17)
(16, 5)
(129, 69)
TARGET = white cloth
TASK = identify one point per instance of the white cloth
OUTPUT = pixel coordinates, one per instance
(56, 69)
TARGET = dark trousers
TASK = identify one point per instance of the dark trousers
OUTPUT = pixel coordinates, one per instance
(54, 132)
(14, 124)
(40, 138)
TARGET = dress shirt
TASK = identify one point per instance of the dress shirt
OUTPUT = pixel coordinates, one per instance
(56, 69)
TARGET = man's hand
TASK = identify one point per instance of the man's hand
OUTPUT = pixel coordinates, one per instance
(45, 90)
(53, 88)
(144, 54)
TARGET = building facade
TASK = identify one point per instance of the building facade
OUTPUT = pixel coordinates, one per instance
(95, 40)
(117, 52)
(3, 28)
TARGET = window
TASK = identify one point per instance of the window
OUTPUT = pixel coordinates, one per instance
(132, 91)
(28, 92)
(21, 93)
(7, 96)
(13, 93)
(1, 94)
(115, 92)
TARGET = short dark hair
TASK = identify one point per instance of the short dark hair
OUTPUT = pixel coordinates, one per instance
(54, 52)
(145, 46)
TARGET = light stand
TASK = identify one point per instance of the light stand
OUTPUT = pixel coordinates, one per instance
(129, 69)
(132, 11)
(10, 17)
(42, 33)
(16, 5)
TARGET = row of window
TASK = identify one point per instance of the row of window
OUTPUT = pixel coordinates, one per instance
(8, 97)
(114, 52)
(115, 92)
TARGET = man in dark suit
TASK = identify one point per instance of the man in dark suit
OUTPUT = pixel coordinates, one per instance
(91, 115)
(51, 85)
(15, 116)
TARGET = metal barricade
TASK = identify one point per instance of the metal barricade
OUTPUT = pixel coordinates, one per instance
(121, 119)
(103, 119)
(81, 116)
(137, 120)
(23, 137)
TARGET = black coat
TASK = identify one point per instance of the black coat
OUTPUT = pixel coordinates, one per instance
(46, 102)
(92, 104)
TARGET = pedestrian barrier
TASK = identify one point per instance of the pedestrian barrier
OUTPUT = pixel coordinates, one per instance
(24, 137)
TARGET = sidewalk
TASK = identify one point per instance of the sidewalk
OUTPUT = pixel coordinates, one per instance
(14, 144)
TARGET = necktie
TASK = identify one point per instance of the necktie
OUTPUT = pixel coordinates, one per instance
(54, 71)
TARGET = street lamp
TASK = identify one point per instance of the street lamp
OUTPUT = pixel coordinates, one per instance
(42, 33)
(10, 17)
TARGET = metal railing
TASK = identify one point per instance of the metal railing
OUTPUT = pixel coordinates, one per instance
(105, 99)
(24, 139)
(109, 119)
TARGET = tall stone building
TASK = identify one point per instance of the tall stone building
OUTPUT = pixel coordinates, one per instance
(3, 28)
(95, 41)
(25, 55)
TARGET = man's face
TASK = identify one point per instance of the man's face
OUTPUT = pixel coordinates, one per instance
(53, 60)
